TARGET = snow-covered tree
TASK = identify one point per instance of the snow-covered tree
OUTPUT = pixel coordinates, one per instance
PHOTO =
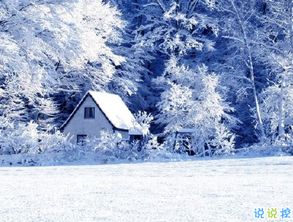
(200, 109)
(277, 40)
(170, 30)
(241, 56)
(54, 46)
(276, 116)
(132, 79)
(174, 27)
(175, 31)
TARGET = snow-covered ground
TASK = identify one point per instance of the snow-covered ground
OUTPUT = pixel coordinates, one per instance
(202, 190)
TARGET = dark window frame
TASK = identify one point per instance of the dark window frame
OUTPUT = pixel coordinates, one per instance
(89, 113)
(81, 139)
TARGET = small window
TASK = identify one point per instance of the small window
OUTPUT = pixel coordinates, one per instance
(89, 112)
(81, 140)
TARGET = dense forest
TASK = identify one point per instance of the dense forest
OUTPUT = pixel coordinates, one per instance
(223, 68)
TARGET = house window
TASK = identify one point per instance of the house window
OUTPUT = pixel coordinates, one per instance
(81, 139)
(89, 112)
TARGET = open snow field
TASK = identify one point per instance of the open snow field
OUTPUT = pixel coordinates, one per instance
(203, 190)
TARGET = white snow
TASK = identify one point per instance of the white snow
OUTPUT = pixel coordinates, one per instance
(115, 109)
(202, 190)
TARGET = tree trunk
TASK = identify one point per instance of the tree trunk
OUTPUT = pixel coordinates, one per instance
(281, 124)
(251, 71)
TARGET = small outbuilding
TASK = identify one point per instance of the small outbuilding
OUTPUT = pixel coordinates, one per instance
(184, 142)
(101, 111)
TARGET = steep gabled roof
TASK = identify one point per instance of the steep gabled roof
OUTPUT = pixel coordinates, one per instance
(114, 109)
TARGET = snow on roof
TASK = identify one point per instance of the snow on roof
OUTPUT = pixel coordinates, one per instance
(116, 111)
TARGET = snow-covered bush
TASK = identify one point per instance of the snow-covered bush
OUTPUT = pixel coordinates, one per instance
(19, 138)
(223, 141)
(153, 149)
(144, 119)
(107, 144)
(55, 142)
(110, 146)
(26, 138)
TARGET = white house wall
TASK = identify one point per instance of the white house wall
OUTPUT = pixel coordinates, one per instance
(78, 125)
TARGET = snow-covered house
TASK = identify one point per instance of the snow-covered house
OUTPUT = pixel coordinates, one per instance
(98, 111)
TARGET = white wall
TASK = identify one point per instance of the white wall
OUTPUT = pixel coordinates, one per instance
(78, 125)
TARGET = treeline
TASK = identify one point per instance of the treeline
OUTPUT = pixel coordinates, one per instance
(220, 68)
